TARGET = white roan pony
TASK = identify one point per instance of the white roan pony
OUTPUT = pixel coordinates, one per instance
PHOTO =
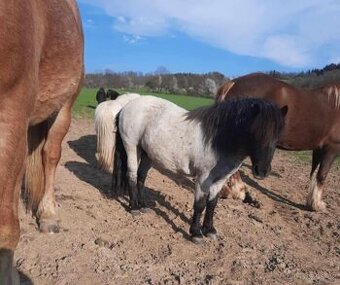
(105, 126)
(209, 144)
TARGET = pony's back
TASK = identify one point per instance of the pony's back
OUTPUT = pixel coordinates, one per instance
(105, 127)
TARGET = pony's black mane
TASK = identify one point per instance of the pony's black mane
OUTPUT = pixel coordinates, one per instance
(228, 124)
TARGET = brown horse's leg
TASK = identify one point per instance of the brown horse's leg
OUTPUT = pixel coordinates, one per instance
(325, 158)
(46, 213)
(234, 187)
(12, 156)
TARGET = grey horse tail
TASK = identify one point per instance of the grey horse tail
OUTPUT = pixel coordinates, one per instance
(119, 175)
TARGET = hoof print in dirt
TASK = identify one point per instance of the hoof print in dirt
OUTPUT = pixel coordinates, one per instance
(47, 228)
(102, 243)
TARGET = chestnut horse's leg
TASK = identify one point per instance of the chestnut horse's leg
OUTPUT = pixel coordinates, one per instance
(13, 149)
(325, 158)
(234, 187)
(46, 213)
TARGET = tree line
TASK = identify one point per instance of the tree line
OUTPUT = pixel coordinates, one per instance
(204, 85)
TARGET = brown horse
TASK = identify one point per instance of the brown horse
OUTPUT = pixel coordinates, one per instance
(312, 123)
(41, 72)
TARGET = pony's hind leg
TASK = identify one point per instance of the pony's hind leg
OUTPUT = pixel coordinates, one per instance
(144, 167)
(132, 169)
(58, 128)
(326, 158)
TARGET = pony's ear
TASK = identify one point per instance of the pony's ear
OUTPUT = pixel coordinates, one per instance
(284, 111)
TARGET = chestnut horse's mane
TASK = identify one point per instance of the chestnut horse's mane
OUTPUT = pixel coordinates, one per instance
(333, 93)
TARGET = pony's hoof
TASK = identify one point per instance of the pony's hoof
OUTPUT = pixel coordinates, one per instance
(135, 213)
(197, 240)
(212, 236)
(145, 210)
(49, 228)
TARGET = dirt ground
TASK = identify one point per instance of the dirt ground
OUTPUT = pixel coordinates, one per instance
(101, 243)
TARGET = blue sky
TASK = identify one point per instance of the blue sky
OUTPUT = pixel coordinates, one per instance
(233, 37)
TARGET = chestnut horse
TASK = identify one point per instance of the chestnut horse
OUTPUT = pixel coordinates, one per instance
(41, 72)
(312, 123)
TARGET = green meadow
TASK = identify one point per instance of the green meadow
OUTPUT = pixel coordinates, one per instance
(86, 101)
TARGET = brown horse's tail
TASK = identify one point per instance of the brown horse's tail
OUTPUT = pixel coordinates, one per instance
(223, 90)
(34, 174)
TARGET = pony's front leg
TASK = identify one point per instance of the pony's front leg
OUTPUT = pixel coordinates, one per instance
(199, 206)
(208, 228)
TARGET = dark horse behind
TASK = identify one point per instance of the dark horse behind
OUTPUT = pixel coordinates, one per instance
(312, 123)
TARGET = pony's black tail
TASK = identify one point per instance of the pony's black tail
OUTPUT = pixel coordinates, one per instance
(119, 175)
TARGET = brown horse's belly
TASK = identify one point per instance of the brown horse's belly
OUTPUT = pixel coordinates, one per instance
(301, 137)
(50, 101)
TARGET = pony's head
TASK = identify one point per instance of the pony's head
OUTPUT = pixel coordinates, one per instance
(263, 136)
(101, 95)
(112, 94)
(242, 127)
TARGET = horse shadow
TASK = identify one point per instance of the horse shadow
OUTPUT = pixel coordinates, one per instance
(272, 195)
(88, 172)
(102, 182)
(24, 279)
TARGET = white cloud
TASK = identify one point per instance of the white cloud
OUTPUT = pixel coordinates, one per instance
(293, 33)
(132, 39)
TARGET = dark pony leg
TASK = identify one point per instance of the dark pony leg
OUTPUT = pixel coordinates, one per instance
(208, 223)
(119, 174)
(132, 169)
(144, 167)
(324, 157)
(199, 206)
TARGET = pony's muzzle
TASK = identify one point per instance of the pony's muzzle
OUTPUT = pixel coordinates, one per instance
(260, 173)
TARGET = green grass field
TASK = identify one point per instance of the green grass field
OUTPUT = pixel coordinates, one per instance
(86, 102)
(306, 157)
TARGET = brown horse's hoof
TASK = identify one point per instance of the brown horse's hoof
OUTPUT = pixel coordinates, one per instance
(197, 240)
(49, 227)
(317, 206)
